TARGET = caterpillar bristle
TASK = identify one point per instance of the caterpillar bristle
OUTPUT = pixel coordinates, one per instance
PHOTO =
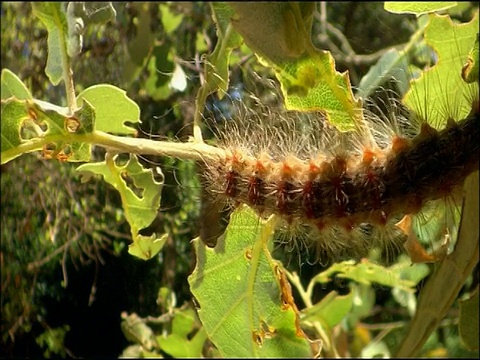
(340, 194)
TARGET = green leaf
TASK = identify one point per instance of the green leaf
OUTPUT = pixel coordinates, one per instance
(53, 341)
(146, 247)
(140, 206)
(160, 67)
(197, 343)
(76, 28)
(59, 125)
(86, 116)
(53, 116)
(442, 84)
(53, 17)
(178, 82)
(330, 310)
(11, 85)
(468, 325)
(279, 33)
(178, 344)
(418, 7)
(183, 322)
(392, 64)
(311, 83)
(217, 72)
(363, 303)
(366, 272)
(200, 43)
(413, 273)
(180, 347)
(14, 113)
(31, 122)
(242, 294)
(170, 20)
(132, 351)
(112, 108)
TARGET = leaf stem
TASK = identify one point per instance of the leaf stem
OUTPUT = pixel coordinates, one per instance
(69, 84)
(187, 151)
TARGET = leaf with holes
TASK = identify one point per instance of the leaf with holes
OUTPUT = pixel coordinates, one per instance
(113, 108)
(443, 82)
(31, 125)
(140, 194)
(279, 33)
(14, 113)
(242, 293)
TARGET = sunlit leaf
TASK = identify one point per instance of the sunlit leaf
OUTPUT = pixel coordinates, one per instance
(179, 79)
(279, 33)
(242, 302)
(11, 85)
(179, 344)
(217, 72)
(443, 85)
(311, 83)
(53, 17)
(113, 108)
(146, 247)
(367, 272)
(418, 7)
(140, 206)
(27, 122)
(376, 349)
(200, 43)
(98, 12)
(170, 20)
(14, 113)
(330, 310)
(140, 210)
(60, 125)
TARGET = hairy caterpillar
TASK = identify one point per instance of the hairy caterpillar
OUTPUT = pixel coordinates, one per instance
(347, 192)
(337, 185)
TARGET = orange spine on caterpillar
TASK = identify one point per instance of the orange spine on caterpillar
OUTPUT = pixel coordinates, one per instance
(335, 184)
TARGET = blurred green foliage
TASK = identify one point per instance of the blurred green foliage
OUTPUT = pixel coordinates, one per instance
(59, 236)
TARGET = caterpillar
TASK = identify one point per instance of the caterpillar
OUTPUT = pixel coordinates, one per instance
(335, 185)
(347, 192)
